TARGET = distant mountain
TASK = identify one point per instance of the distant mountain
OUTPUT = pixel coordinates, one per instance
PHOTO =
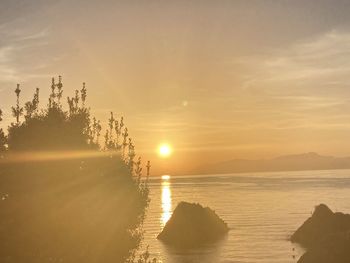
(298, 162)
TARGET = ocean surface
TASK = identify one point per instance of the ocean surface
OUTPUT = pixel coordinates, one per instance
(262, 210)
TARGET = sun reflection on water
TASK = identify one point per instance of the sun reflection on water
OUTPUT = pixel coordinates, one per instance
(166, 200)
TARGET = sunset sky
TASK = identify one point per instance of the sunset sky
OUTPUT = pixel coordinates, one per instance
(216, 80)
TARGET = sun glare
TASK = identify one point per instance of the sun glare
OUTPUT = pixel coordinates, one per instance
(164, 150)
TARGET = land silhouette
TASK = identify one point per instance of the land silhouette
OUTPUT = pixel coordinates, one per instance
(297, 162)
(65, 195)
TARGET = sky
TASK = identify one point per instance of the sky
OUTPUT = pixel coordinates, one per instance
(217, 80)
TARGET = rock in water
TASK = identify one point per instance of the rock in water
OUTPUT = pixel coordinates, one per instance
(321, 223)
(192, 225)
(326, 235)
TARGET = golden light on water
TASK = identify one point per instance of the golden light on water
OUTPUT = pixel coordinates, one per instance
(166, 200)
(165, 177)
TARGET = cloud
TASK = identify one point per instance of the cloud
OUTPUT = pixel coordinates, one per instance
(304, 85)
(322, 62)
(7, 71)
(15, 45)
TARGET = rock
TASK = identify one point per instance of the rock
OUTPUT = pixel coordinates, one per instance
(192, 225)
(326, 236)
(320, 224)
(335, 248)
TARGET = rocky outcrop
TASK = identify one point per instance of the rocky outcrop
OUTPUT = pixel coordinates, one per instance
(326, 236)
(192, 225)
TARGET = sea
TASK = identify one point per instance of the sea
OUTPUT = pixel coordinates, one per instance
(262, 211)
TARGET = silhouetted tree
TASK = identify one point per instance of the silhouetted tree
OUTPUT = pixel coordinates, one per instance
(125, 135)
(71, 105)
(109, 142)
(131, 155)
(2, 136)
(118, 131)
(95, 130)
(83, 95)
(31, 107)
(53, 93)
(148, 166)
(17, 111)
(138, 170)
(145, 257)
(76, 99)
(106, 139)
(52, 128)
(66, 192)
(59, 90)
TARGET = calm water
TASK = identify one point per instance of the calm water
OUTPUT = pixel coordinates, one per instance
(262, 210)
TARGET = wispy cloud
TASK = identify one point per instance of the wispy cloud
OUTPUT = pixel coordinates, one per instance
(13, 45)
(7, 71)
(322, 63)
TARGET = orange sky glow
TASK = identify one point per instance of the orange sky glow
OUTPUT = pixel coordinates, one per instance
(216, 81)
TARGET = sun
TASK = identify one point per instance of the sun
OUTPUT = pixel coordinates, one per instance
(164, 150)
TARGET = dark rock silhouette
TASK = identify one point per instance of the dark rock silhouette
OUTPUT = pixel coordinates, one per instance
(192, 225)
(326, 235)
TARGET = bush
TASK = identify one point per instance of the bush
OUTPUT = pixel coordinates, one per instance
(66, 197)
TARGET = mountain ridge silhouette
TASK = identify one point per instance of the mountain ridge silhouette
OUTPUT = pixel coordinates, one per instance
(292, 162)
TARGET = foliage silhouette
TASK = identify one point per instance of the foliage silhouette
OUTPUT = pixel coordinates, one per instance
(3, 139)
(52, 128)
(65, 197)
(144, 257)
